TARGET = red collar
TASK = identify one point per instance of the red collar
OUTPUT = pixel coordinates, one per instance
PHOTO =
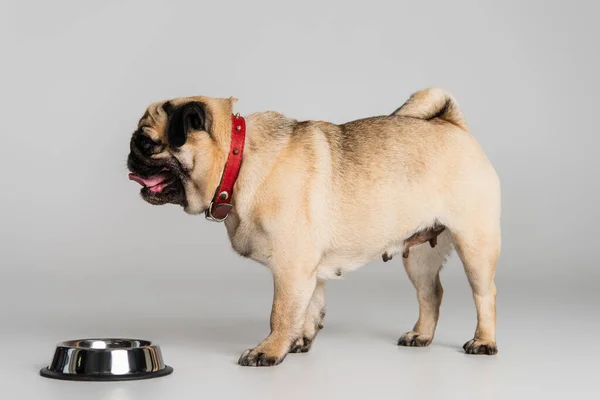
(221, 206)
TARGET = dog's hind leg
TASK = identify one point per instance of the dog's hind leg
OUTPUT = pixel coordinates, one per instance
(423, 266)
(479, 250)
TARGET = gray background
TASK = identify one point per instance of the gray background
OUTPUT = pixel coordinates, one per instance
(83, 255)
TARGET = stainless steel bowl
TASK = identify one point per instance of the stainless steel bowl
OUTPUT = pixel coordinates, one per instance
(106, 360)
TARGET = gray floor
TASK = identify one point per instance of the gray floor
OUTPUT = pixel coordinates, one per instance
(547, 337)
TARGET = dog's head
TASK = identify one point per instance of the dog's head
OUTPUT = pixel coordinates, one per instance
(179, 150)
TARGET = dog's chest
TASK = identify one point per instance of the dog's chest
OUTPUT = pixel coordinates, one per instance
(249, 240)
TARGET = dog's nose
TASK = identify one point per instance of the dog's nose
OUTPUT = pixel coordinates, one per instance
(143, 143)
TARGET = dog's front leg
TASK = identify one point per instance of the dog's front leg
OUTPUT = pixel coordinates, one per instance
(294, 287)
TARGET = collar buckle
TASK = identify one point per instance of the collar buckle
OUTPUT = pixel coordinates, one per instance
(209, 213)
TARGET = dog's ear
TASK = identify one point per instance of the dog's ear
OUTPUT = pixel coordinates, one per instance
(185, 119)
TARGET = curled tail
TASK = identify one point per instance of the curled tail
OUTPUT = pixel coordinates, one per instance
(433, 103)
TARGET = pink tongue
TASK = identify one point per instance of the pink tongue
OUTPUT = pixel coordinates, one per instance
(149, 182)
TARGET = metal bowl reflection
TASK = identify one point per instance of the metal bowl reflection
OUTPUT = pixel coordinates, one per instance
(106, 360)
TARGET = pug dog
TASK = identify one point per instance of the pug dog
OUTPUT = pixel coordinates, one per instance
(312, 200)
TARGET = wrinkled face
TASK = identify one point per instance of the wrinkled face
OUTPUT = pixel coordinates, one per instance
(179, 149)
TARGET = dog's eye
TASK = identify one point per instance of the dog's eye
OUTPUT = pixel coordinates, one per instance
(195, 122)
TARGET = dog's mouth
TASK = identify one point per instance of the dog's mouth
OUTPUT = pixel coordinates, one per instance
(156, 183)
(164, 186)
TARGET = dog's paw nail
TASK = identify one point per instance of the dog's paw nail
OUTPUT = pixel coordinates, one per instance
(302, 345)
(253, 358)
(475, 346)
(413, 339)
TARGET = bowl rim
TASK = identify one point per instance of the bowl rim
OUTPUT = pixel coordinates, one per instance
(76, 344)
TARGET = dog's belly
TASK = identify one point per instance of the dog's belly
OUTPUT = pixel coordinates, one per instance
(337, 262)
(335, 265)
(334, 262)
(372, 245)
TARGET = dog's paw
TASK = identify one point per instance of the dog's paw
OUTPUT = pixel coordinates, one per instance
(257, 358)
(476, 346)
(302, 345)
(414, 339)
(312, 326)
